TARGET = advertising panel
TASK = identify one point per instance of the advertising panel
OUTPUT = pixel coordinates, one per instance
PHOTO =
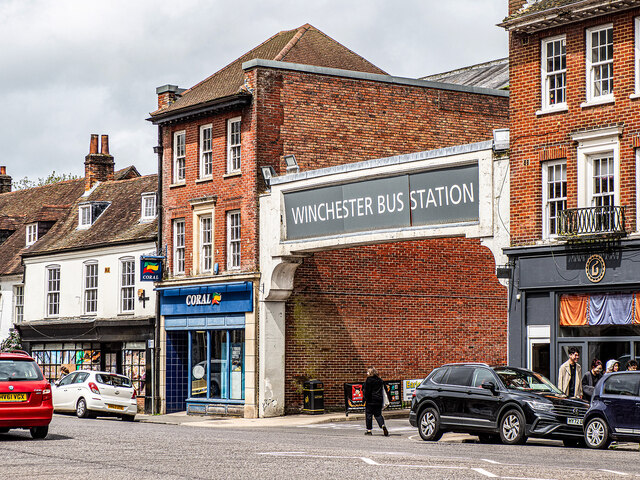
(408, 387)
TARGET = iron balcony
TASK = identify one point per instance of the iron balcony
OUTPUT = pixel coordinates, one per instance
(592, 222)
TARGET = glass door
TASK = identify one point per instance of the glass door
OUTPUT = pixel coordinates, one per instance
(563, 356)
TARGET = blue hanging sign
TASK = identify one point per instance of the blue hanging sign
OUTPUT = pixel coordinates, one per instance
(150, 269)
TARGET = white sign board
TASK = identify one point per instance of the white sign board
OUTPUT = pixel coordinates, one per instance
(408, 387)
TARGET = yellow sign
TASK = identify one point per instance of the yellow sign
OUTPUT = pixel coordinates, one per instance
(595, 268)
(13, 397)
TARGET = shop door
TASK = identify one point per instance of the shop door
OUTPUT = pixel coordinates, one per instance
(539, 351)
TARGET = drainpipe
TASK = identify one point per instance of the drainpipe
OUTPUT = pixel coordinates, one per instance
(155, 401)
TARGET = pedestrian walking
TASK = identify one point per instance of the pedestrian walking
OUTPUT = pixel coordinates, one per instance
(570, 375)
(373, 399)
(612, 366)
(591, 378)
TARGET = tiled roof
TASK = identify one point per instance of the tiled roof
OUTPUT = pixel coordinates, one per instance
(543, 14)
(119, 223)
(493, 74)
(306, 45)
(47, 203)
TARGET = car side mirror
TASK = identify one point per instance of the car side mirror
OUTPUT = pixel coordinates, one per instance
(489, 386)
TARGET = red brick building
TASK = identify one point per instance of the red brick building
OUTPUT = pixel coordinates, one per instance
(574, 105)
(302, 93)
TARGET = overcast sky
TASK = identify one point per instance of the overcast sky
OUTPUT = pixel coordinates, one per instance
(69, 68)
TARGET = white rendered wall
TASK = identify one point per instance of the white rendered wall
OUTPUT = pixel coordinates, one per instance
(6, 303)
(71, 283)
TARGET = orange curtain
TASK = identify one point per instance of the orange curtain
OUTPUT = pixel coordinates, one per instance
(573, 310)
(636, 308)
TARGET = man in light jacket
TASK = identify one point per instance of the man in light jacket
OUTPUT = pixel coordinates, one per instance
(570, 375)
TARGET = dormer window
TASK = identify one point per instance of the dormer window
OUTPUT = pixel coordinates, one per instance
(149, 209)
(32, 234)
(89, 212)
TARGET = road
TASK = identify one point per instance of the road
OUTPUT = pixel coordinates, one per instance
(113, 449)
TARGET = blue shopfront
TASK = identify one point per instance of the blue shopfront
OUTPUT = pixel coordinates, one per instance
(205, 346)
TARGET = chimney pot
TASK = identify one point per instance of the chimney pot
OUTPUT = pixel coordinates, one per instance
(3, 170)
(5, 180)
(104, 147)
(93, 146)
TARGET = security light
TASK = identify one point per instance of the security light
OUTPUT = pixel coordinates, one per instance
(501, 139)
(292, 164)
(267, 173)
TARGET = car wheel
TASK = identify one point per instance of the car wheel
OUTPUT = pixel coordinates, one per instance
(596, 433)
(512, 428)
(39, 432)
(128, 418)
(488, 438)
(81, 408)
(429, 425)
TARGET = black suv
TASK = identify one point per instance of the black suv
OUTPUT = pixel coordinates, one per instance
(495, 403)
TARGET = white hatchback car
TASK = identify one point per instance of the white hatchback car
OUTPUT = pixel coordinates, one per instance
(91, 394)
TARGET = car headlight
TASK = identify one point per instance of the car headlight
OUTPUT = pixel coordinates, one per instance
(539, 406)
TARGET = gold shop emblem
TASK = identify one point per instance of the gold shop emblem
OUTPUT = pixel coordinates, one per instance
(595, 268)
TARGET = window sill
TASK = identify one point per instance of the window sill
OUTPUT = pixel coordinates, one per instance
(600, 101)
(204, 180)
(633, 96)
(232, 174)
(176, 185)
(126, 314)
(547, 111)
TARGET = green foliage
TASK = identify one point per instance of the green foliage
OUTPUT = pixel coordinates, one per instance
(53, 177)
(12, 342)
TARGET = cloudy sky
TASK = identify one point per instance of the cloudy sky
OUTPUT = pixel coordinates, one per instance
(69, 68)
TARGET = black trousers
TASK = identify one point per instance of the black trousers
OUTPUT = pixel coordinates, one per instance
(373, 411)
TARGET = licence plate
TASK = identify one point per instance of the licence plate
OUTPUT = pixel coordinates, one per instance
(574, 421)
(13, 397)
(115, 407)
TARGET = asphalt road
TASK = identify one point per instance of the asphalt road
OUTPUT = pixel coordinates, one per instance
(113, 449)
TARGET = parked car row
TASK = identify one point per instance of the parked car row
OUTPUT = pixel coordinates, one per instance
(510, 404)
(28, 400)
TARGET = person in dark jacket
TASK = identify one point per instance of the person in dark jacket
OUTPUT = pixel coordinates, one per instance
(591, 378)
(372, 391)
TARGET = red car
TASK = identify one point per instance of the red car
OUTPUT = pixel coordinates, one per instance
(25, 395)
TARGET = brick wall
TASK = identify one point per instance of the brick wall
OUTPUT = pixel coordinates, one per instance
(537, 138)
(404, 308)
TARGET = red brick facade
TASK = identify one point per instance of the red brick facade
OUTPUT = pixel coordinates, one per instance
(536, 138)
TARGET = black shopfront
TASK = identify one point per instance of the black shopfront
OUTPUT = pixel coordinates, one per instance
(582, 293)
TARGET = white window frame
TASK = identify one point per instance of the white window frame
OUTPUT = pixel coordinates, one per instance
(546, 218)
(636, 23)
(18, 303)
(234, 240)
(84, 216)
(179, 257)
(31, 234)
(52, 287)
(637, 189)
(206, 243)
(234, 147)
(590, 77)
(179, 157)
(546, 75)
(90, 287)
(149, 209)
(127, 286)
(206, 151)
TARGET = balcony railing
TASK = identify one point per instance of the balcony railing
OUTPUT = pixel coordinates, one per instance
(592, 222)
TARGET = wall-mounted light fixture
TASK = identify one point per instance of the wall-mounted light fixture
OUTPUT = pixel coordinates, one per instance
(267, 173)
(292, 163)
(501, 139)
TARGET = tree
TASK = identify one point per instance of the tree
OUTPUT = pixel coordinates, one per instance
(12, 342)
(53, 177)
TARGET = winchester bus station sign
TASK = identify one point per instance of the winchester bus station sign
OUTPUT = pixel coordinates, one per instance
(435, 197)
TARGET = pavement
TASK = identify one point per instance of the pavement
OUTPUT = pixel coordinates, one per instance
(181, 418)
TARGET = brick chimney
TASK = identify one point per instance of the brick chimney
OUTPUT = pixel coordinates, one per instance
(5, 180)
(168, 94)
(98, 167)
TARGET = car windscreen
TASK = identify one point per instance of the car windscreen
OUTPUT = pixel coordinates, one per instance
(111, 379)
(526, 381)
(18, 370)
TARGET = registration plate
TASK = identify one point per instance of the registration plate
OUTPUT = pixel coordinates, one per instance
(574, 421)
(13, 397)
(115, 407)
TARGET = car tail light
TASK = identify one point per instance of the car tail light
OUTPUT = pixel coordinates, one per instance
(46, 393)
(413, 395)
(133, 396)
(94, 388)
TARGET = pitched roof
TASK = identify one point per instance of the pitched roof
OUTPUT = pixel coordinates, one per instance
(46, 204)
(306, 45)
(119, 223)
(539, 15)
(493, 74)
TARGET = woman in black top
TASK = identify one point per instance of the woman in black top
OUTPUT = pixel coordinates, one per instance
(372, 390)
(591, 378)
